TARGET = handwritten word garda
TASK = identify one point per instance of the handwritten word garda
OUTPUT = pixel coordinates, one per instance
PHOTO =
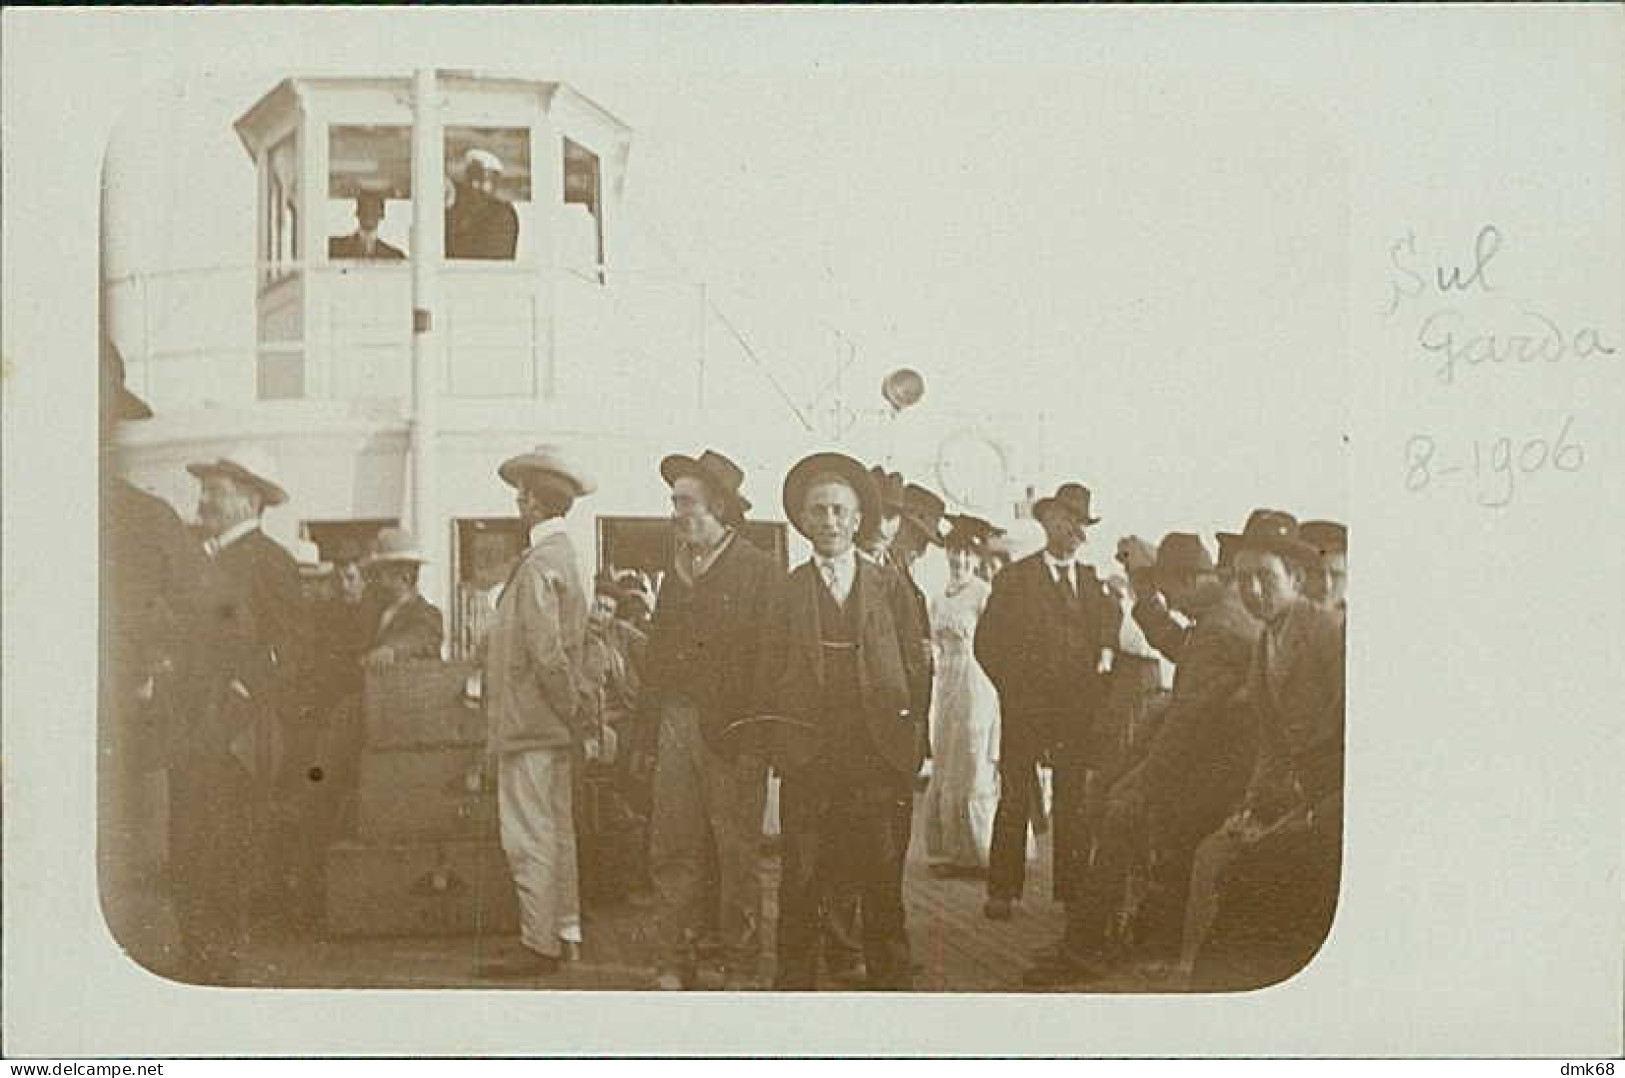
(1446, 337)
(1494, 465)
(1407, 283)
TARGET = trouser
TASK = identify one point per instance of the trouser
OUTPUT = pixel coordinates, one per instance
(1018, 793)
(843, 834)
(843, 908)
(705, 844)
(213, 855)
(1119, 844)
(1077, 804)
(1274, 902)
(537, 823)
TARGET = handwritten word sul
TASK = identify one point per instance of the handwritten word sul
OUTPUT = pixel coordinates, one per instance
(1446, 336)
(1492, 464)
(1407, 282)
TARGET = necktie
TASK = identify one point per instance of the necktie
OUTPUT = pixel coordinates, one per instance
(832, 580)
(1063, 576)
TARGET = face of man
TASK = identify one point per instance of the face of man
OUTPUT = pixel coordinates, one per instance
(1178, 587)
(692, 520)
(830, 517)
(961, 562)
(223, 503)
(1333, 580)
(391, 582)
(1063, 533)
(1267, 583)
(368, 214)
(350, 581)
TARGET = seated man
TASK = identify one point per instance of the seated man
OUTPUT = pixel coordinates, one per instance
(408, 626)
(364, 242)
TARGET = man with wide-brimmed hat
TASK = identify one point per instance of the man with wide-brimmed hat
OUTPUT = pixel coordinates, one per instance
(151, 573)
(841, 657)
(1193, 770)
(407, 627)
(537, 705)
(1045, 639)
(1279, 857)
(703, 657)
(231, 781)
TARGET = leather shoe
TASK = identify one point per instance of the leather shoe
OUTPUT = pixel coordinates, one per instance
(997, 909)
(528, 964)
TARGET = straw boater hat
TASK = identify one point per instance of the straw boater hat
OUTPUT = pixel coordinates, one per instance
(550, 460)
(1074, 498)
(395, 546)
(1275, 532)
(246, 464)
(711, 468)
(840, 465)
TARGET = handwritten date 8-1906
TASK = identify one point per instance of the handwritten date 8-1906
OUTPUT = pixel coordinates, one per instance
(1495, 466)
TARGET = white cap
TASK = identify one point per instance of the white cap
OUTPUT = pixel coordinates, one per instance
(487, 160)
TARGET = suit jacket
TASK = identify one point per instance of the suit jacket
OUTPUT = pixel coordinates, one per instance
(254, 628)
(892, 679)
(1199, 761)
(1043, 693)
(481, 226)
(1296, 690)
(705, 640)
(534, 686)
(922, 618)
(350, 247)
(415, 632)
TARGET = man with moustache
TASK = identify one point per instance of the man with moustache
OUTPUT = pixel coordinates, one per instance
(1194, 769)
(227, 775)
(1046, 640)
(703, 656)
(842, 663)
(1277, 862)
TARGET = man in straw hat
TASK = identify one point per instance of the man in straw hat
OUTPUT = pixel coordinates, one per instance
(703, 656)
(151, 573)
(1276, 863)
(841, 657)
(479, 224)
(407, 627)
(1193, 770)
(537, 709)
(1045, 640)
(229, 781)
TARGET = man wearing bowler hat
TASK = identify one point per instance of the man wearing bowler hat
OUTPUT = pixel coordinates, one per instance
(1045, 639)
(842, 657)
(703, 656)
(251, 647)
(1193, 771)
(1277, 861)
(536, 707)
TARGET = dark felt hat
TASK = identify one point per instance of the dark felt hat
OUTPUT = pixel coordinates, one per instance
(1275, 532)
(1326, 536)
(1183, 552)
(711, 468)
(1229, 547)
(924, 510)
(840, 466)
(891, 487)
(1074, 498)
(972, 533)
(117, 399)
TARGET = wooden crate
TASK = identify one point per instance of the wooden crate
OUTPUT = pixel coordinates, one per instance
(425, 795)
(421, 704)
(420, 889)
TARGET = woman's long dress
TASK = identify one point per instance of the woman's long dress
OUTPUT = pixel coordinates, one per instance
(964, 790)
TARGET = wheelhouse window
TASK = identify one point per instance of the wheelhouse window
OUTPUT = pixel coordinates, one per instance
(488, 194)
(581, 239)
(369, 191)
(282, 202)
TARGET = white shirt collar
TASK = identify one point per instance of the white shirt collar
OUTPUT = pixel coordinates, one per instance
(843, 563)
(545, 529)
(231, 535)
(1058, 565)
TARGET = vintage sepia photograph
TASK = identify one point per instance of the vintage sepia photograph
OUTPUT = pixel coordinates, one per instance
(815, 531)
(531, 562)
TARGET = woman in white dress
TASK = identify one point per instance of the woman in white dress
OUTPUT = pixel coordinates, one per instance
(964, 790)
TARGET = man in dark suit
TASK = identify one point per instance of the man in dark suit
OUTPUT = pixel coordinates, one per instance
(151, 571)
(1045, 640)
(407, 627)
(250, 646)
(364, 243)
(841, 657)
(1193, 771)
(703, 657)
